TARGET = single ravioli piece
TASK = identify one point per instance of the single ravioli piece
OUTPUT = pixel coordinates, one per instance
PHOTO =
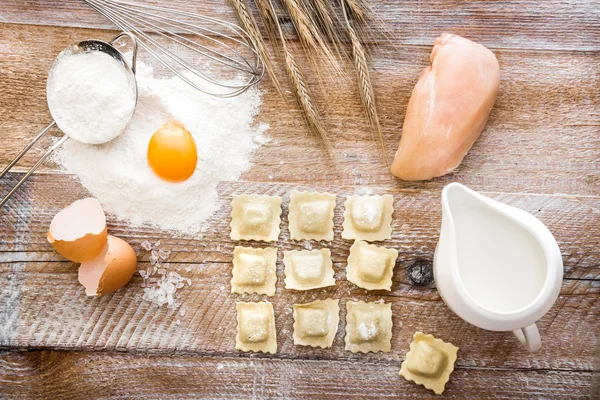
(256, 327)
(316, 323)
(254, 270)
(429, 362)
(308, 269)
(368, 217)
(311, 215)
(371, 267)
(368, 327)
(255, 217)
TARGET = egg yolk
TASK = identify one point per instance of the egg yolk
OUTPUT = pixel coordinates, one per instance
(172, 153)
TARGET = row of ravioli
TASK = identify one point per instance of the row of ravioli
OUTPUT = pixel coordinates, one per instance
(369, 267)
(257, 217)
(429, 362)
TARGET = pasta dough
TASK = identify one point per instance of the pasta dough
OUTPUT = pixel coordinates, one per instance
(368, 217)
(254, 270)
(429, 362)
(311, 215)
(255, 217)
(371, 267)
(368, 327)
(256, 327)
(316, 323)
(306, 269)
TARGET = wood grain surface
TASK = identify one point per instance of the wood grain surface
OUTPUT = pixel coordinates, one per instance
(540, 152)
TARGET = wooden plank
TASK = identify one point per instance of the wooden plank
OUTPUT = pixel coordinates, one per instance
(72, 375)
(550, 24)
(574, 220)
(542, 135)
(44, 306)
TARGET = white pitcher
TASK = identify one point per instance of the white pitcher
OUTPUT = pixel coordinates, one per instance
(496, 266)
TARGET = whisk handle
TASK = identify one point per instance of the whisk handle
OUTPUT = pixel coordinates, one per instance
(35, 166)
(26, 149)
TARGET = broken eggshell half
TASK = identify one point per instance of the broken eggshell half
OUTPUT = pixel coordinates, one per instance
(78, 231)
(111, 270)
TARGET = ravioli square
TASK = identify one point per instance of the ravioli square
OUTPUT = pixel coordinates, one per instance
(311, 215)
(308, 269)
(368, 327)
(371, 267)
(316, 323)
(256, 327)
(254, 270)
(429, 362)
(255, 217)
(368, 218)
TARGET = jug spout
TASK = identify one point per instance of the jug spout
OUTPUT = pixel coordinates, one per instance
(456, 197)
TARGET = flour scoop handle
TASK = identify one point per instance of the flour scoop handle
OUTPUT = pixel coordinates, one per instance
(37, 163)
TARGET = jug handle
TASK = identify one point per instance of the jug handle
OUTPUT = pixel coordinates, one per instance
(530, 337)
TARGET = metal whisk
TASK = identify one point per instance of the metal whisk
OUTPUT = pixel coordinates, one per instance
(213, 39)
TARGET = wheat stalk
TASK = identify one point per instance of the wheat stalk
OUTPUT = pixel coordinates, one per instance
(249, 24)
(365, 86)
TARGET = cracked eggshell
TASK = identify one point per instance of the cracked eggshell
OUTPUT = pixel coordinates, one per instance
(113, 268)
(78, 231)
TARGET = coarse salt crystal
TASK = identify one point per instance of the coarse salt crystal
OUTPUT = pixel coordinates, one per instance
(163, 254)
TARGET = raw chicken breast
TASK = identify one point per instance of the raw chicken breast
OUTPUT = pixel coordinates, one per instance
(448, 108)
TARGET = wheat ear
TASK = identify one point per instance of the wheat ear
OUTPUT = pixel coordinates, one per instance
(356, 8)
(299, 86)
(365, 86)
(250, 26)
(308, 33)
(329, 22)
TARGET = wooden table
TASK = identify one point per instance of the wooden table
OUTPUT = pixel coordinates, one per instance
(540, 151)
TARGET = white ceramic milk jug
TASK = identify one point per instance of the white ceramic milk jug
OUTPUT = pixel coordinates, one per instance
(496, 266)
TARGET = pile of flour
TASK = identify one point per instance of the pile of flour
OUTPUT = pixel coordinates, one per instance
(118, 175)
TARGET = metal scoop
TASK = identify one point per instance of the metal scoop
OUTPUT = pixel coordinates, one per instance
(81, 47)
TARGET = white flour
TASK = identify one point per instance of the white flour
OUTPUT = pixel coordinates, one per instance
(90, 96)
(117, 173)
